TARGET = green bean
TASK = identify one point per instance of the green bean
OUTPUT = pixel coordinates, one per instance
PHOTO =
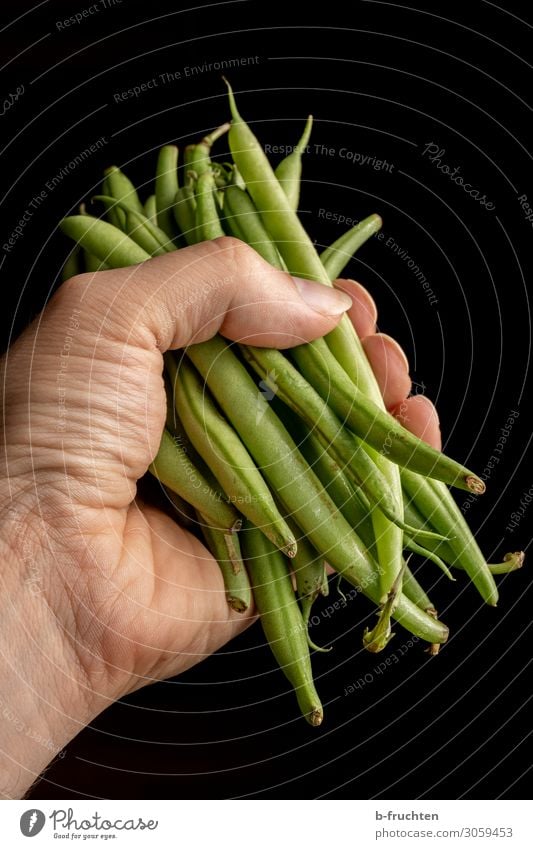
(440, 548)
(310, 573)
(287, 383)
(150, 208)
(199, 156)
(281, 618)
(92, 263)
(185, 212)
(239, 209)
(148, 235)
(226, 456)
(511, 562)
(103, 240)
(72, 264)
(377, 638)
(271, 201)
(231, 225)
(236, 178)
(335, 482)
(175, 426)
(413, 546)
(337, 256)
(226, 550)
(114, 214)
(186, 513)
(375, 426)
(174, 468)
(436, 503)
(174, 423)
(289, 170)
(389, 546)
(166, 186)
(350, 502)
(121, 188)
(413, 515)
(347, 500)
(208, 224)
(295, 484)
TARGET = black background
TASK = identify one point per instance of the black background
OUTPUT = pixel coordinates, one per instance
(382, 80)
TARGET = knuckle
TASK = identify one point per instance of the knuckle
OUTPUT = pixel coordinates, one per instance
(88, 284)
(71, 291)
(237, 252)
(73, 284)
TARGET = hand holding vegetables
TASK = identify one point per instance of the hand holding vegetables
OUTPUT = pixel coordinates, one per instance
(326, 458)
(106, 593)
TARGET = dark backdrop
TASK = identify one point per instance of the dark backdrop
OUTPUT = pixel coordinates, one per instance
(384, 81)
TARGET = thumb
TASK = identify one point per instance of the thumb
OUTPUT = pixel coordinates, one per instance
(222, 286)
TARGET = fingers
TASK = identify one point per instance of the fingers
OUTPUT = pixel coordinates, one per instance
(391, 368)
(363, 312)
(419, 416)
(220, 286)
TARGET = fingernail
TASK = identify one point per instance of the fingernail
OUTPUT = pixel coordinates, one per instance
(321, 298)
(397, 348)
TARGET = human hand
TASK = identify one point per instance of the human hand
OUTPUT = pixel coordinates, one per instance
(105, 594)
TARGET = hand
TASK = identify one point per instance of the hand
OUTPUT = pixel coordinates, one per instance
(102, 593)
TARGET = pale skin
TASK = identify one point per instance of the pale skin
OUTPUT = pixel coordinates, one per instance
(103, 594)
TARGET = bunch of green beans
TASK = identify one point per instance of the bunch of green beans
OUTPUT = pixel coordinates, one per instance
(321, 474)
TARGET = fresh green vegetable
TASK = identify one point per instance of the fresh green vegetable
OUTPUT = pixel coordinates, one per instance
(173, 467)
(150, 209)
(281, 618)
(436, 502)
(226, 456)
(140, 228)
(242, 215)
(185, 212)
(379, 429)
(338, 255)
(120, 187)
(166, 187)
(226, 550)
(289, 170)
(103, 240)
(72, 264)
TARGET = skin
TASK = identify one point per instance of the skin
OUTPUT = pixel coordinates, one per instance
(103, 594)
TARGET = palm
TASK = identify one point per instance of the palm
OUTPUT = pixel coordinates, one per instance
(156, 595)
(167, 610)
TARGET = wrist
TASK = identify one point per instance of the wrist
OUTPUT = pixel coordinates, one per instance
(45, 695)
